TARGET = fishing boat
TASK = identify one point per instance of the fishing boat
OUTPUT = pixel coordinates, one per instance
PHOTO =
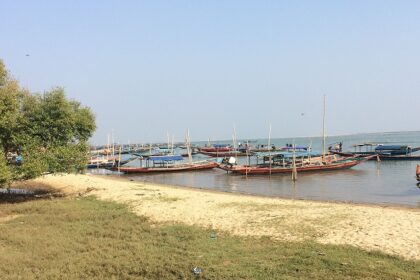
(264, 148)
(296, 161)
(384, 152)
(106, 162)
(291, 148)
(232, 153)
(167, 163)
(215, 148)
(328, 163)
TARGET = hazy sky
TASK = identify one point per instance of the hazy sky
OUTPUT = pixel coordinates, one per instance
(147, 68)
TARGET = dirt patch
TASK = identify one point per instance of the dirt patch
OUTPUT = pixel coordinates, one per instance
(8, 218)
(28, 190)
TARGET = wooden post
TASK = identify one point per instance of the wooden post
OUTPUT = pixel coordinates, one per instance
(119, 160)
(323, 131)
(294, 169)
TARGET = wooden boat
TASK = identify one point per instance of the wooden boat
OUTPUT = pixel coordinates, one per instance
(216, 148)
(108, 163)
(155, 164)
(232, 153)
(101, 162)
(175, 168)
(278, 164)
(384, 152)
(342, 163)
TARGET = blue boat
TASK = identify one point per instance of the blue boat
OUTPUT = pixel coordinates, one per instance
(384, 152)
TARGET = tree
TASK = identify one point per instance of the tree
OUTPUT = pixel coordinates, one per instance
(48, 130)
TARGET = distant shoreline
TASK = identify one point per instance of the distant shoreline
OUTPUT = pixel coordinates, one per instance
(289, 137)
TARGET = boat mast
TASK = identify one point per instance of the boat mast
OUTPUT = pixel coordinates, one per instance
(113, 143)
(235, 146)
(188, 143)
(269, 147)
(167, 135)
(323, 131)
(108, 146)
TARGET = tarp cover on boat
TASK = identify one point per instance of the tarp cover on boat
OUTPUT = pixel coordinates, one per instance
(220, 145)
(392, 147)
(289, 154)
(166, 158)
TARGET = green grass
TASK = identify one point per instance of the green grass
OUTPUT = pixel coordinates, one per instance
(89, 239)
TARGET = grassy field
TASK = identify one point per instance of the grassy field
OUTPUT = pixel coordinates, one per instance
(85, 238)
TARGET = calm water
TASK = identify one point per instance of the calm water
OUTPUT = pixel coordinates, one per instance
(386, 182)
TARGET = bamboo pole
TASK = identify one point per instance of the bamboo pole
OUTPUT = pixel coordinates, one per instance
(247, 157)
(113, 143)
(294, 169)
(323, 130)
(119, 160)
(269, 147)
(188, 143)
(167, 134)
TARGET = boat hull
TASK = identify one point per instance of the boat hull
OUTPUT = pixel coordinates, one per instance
(264, 170)
(381, 157)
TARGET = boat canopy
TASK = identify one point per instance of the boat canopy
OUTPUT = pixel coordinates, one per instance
(305, 148)
(288, 155)
(220, 145)
(366, 145)
(166, 158)
(392, 148)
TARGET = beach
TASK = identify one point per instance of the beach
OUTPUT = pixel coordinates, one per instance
(392, 230)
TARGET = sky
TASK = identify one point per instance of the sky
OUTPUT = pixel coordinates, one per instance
(152, 68)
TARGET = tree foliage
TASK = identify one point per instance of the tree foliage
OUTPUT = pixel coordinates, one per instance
(48, 130)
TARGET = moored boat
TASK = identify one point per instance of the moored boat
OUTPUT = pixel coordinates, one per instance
(216, 148)
(231, 153)
(323, 165)
(155, 164)
(177, 168)
(384, 152)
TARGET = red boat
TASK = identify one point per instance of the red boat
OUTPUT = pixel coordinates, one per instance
(418, 172)
(339, 164)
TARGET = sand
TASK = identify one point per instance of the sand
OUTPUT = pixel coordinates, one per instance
(392, 230)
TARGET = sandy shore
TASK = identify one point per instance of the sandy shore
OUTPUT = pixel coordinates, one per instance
(389, 229)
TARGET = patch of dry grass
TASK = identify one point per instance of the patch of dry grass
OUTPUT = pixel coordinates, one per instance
(85, 238)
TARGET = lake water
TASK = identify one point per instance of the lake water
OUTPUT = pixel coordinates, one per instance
(384, 183)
